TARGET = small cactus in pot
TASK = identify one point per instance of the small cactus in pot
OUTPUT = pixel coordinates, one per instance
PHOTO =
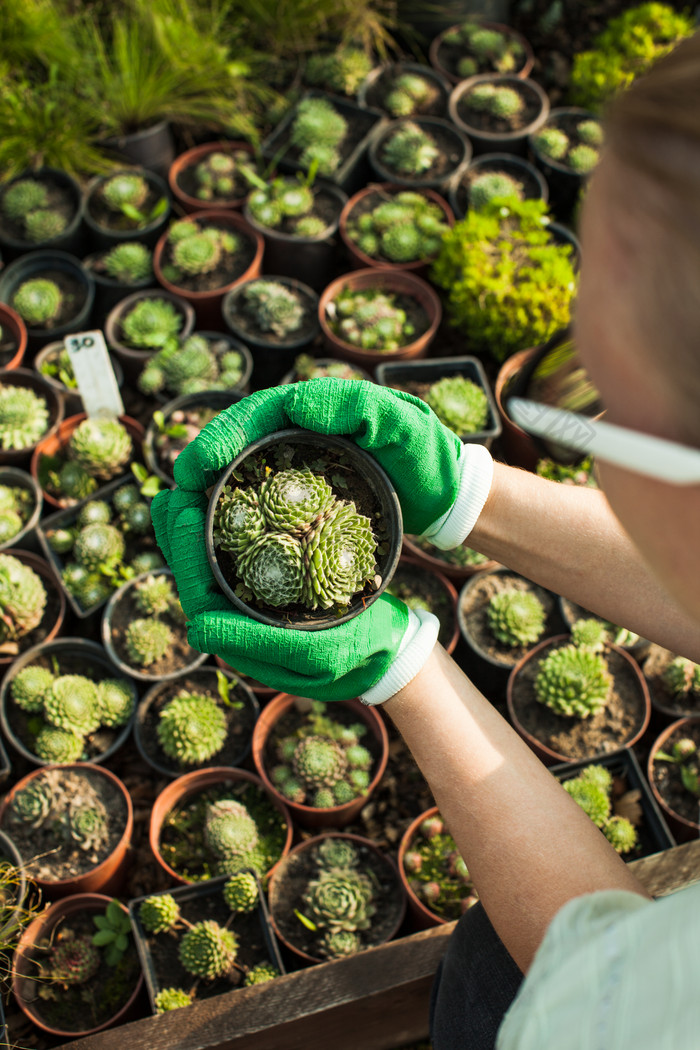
(39, 302)
(286, 204)
(341, 71)
(470, 48)
(459, 403)
(151, 323)
(26, 203)
(195, 250)
(592, 791)
(273, 307)
(409, 150)
(402, 227)
(22, 601)
(24, 417)
(128, 263)
(574, 682)
(370, 320)
(317, 132)
(516, 617)
(218, 177)
(434, 870)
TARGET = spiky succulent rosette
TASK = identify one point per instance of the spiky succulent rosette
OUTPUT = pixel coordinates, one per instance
(73, 960)
(340, 900)
(241, 892)
(272, 568)
(100, 446)
(29, 687)
(58, 745)
(159, 913)
(115, 701)
(208, 950)
(88, 825)
(292, 500)
(24, 417)
(172, 999)
(32, 805)
(229, 830)
(192, 728)
(339, 556)
(22, 599)
(573, 682)
(261, 974)
(72, 704)
(238, 520)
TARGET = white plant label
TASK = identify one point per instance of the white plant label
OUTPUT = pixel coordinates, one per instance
(97, 383)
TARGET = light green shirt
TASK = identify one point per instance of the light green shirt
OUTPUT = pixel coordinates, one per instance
(614, 972)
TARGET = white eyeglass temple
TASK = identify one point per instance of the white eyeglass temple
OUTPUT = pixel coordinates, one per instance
(641, 453)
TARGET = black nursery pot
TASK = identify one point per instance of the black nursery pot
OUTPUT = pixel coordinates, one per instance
(71, 240)
(372, 89)
(437, 368)
(102, 237)
(485, 140)
(152, 147)
(455, 148)
(534, 185)
(216, 399)
(108, 291)
(565, 184)
(378, 490)
(61, 266)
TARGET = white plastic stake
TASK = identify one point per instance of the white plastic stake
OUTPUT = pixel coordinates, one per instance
(94, 374)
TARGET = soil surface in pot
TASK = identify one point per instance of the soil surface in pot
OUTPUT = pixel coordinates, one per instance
(683, 704)
(8, 345)
(53, 856)
(182, 844)
(450, 156)
(229, 268)
(179, 654)
(109, 219)
(484, 121)
(43, 629)
(286, 898)
(80, 1007)
(60, 199)
(247, 327)
(240, 720)
(73, 295)
(421, 590)
(475, 604)
(578, 738)
(667, 777)
(163, 947)
(529, 187)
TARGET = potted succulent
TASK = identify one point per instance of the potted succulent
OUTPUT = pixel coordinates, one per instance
(475, 47)
(496, 175)
(457, 390)
(211, 175)
(179, 422)
(318, 509)
(218, 821)
(144, 629)
(40, 208)
(204, 361)
(64, 701)
(566, 148)
(438, 886)
(457, 564)
(386, 225)
(199, 941)
(420, 153)
(277, 317)
(674, 684)
(498, 112)
(32, 604)
(341, 71)
(20, 507)
(673, 773)
(298, 218)
(51, 291)
(581, 473)
(421, 588)
(13, 338)
(371, 314)
(124, 206)
(143, 323)
(29, 411)
(119, 271)
(572, 701)
(53, 362)
(202, 257)
(335, 895)
(76, 969)
(405, 89)
(307, 367)
(186, 723)
(583, 623)
(74, 822)
(323, 763)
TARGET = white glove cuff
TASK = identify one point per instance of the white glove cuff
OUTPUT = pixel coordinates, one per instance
(476, 475)
(416, 646)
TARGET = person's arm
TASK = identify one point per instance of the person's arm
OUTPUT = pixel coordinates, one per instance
(567, 539)
(528, 846)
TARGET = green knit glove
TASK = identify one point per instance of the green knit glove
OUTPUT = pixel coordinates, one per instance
(401, 432)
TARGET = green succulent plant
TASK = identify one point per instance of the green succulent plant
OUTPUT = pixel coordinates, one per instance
(317, 132)
(32, 805)
(172, 999)
(573, 682)
(285, 199)
(272, 569)
(22, 599)
(129, 262)
(159, 913)
(582, 158)
(490, 185)
(208, 950)
(88, 588)
(591, 797)
(44, 225)
(124, 189)
(293, 790)
(241, 892)
(58, 745)
(492, 50)
(229, 831)
(88, 825)
(273, 307)
(340, 558)
(192, 727)
(358, 757)
(261, 974)
(151, 323)
(410, 150)
(22, 197)
(319, 762)
(115, 702)
(238, 520)
(147, 561)
(147, 640)
(371, 320)
(342, 70)
(590, 132)
(216, 175)
(337, 853)
(516, 618)
(73, 960)
(403, 228)
(621, 834)
(96, 512)
(124, 497)
(16, 504)
(186, 368)
(553, 142)
(340, 900)
(100, 446)
(74, 481)
(336, 944)
(99, 547)
(200, 253)
(459, 403)
(38, 302)
(589, 634)
(24, 417)
(598, 775)
(294, 500)
(30, 686)
(409, 94)
(72, 704)
(154, 595)
(682, 676)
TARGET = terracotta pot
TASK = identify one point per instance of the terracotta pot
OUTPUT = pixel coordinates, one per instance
(454, 78)
(547, 754)
(207, 305)
(15, 478)
(423, 917)
(388, 281)
(683, 829)
(520, 449)
(278, 877)
(20, 457)
(55, 443)
(106, 877)
(310, 816)
(132, 360)
(24, 980)
(359, 259)
(499, 141)
(458, 573)
(43, 569)
(406, 561)
(11, 321)
(189, 159)
(192, 784)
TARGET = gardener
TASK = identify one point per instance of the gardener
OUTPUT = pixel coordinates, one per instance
(607, 968)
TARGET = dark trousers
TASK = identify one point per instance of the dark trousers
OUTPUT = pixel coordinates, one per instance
(475, 984)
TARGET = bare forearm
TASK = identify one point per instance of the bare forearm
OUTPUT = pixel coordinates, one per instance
(529, 848)
(568, 539)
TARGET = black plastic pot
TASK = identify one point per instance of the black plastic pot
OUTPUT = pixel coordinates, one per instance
(217, 399)
(152, 148)
(11, 928)
(73, 237)
(451, 140)
(485, 141)
(16, 478)
(310, 260)
(20, 457)
(71, 398)
(187, 898)
(83, 654)
(372, 89)
(271, 357)
(383, 495)
(354, 171)
(131, 359)
(619, 763)
(565, 184)
(102, 238)
(428, 20)
(42, 263)
(437, 368)
(534, 185)
(5, 767)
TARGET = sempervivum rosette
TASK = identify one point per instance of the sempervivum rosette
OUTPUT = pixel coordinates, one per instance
(340, 900)
(339, 556)
(272, 567)
(293, 499)
(238, 520)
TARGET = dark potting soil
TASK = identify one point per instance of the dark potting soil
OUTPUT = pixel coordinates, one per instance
(8, 346)
(240, 721)
(109, 219)
(60, 200)
(667, 778)
(325, 207)
(26, 726)
(181, 841)
(178, 656)
(529, 187)
(52, 856)
(680, 705)
(286, 893)
(475, 603)
(450, 156)
(40, 632)
(73, 296)
(434, 106)
(577, 738)
(168, 972)
(230, 267)
(416, 586)
(187, 182)
(247, 327)
(484, 121)
(80, 1007)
